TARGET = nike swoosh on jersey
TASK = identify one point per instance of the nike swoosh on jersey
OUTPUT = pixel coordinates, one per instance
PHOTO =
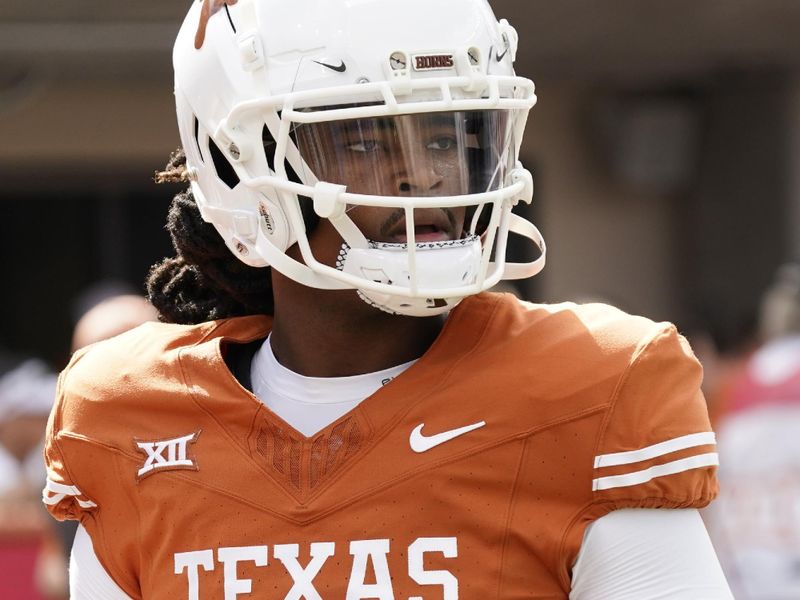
(421, 443)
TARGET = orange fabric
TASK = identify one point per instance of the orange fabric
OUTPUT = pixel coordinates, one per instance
(498, 512)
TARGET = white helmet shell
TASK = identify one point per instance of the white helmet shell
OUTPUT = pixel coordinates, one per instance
(250, 74)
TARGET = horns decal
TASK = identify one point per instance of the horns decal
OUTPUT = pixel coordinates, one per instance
(210, 8)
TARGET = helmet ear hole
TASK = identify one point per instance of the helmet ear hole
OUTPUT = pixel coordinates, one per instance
(224, 169)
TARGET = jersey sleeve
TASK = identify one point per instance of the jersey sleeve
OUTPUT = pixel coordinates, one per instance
(86, 462)
(62, 494)
(656, 448)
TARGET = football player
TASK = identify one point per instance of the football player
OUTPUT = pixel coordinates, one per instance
(335, 406)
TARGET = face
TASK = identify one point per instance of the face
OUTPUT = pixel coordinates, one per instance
(420, 156)
(409, 155)
(385, 225)
(389, 224)
(404, 156)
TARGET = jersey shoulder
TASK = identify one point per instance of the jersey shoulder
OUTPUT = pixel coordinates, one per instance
(142, 383)
(656, 448)
(144, 366)
(134, 360)
(632, 385)
(593, 325)
(553, 359)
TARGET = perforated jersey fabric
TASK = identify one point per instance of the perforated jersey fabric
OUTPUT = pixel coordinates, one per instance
(536, 421)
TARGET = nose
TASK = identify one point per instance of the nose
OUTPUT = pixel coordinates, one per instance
(419, 178)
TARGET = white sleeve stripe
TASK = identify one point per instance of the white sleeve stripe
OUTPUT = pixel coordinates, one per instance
(55, 492)
(56, 498)
(51, 500)
(60, 488)
(679, 443)
(645, 475)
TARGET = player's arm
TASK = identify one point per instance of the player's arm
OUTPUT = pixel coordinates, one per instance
(88, 580)
(648, 554)
(654, 465)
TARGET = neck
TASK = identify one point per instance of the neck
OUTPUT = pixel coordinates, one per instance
(324, 333)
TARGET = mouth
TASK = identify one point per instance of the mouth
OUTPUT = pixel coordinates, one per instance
(430, 225)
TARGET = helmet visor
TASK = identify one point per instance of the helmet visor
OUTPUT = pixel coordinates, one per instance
(424, 155)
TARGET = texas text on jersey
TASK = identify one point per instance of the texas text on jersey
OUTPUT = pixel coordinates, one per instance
(465, 477)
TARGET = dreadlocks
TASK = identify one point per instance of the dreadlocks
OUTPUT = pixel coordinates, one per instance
(204, 281)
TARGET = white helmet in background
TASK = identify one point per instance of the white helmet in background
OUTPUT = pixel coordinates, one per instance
(297, 107)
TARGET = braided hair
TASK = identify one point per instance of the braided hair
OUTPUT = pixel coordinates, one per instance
(204, 281)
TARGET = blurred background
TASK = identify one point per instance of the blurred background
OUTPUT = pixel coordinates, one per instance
(664, 146)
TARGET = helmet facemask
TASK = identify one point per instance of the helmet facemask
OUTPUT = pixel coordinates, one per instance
(405, 158)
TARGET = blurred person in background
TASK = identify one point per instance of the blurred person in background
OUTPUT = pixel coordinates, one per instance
(27, 388)
(724, 356)
(756, 520)
(110, 317)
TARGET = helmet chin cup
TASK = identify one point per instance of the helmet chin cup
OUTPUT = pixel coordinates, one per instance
(430, 273)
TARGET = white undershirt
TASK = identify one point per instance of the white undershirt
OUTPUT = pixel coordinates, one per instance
(631, 554)
(309, 404)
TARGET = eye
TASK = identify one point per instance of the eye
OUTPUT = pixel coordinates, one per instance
(442, 143)
(364, 146)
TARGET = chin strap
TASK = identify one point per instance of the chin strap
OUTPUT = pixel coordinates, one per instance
(441, 267)
(527, 230)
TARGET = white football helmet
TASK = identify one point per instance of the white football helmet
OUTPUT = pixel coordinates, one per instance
(293, 107)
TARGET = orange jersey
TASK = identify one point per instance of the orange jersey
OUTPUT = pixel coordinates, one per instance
(472, 475)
